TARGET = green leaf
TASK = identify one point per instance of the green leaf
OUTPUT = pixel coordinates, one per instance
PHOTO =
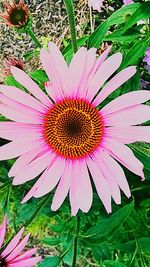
(52, 241)
(117, 36)
(109, 263)
(117, 17)
(143, 12)
(97, 36)
(142, 152)
(12, 82)
(122, 14)
(50, 262)
(31, 54)
(145, 203)
(39, 76)
(136, 52)
(110, 225)
(29, 211)
(130, 246)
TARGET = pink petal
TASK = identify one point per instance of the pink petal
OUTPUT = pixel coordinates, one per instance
(124, 155)
(90, 64)
(63, 187)
(84, 191)
(13, 243)
(53, 176)
(22, 97)
(52, 91)
(26, 255)
(24, 160)
(20, 134)
(130, 116)
(105, 70)
(116, 172)
(53, 75)
(106, 172)
(16, 149)
(3, 230)
(114, 83)
(77, 69)
(80, 186)
(124, 101)
(20, 107)
(73, 192)
(59, 64)
(18, 248)
(33, 169)
(101, 59)
(38, 183)
(21, 77)
(15, 126)
(101, 184)
(25, 263)
(129, 134)
(15, 115)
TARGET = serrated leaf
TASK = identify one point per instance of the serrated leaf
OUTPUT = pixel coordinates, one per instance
(107, 226)
(50, 262)
(143, 12)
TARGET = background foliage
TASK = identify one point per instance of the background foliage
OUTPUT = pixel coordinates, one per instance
(121, 239)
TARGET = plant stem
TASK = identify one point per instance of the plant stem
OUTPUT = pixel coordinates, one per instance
(91, 20)
(76, 243)
(71, 19)
(33, 37)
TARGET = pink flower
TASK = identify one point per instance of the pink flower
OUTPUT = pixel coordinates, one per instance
(95, 4)
(12, 255)
(62, 136)
(8, 63)
(127, 2)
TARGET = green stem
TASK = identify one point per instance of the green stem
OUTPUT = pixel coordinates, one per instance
(75, 246)
(71, 19)
(33, 37)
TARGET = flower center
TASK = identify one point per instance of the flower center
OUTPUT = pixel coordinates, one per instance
(2, 263)
(73, 128)
(17, 16)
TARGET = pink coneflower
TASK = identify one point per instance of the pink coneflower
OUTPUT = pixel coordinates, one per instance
(12, 255)
(9, 62)
(16, 15)
(64, 136)
(95, 4)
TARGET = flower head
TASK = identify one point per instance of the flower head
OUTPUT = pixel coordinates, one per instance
(127, 2)
(16, 15)
(12, 255)
(95, 4)
(8, 63)
(64, 135)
